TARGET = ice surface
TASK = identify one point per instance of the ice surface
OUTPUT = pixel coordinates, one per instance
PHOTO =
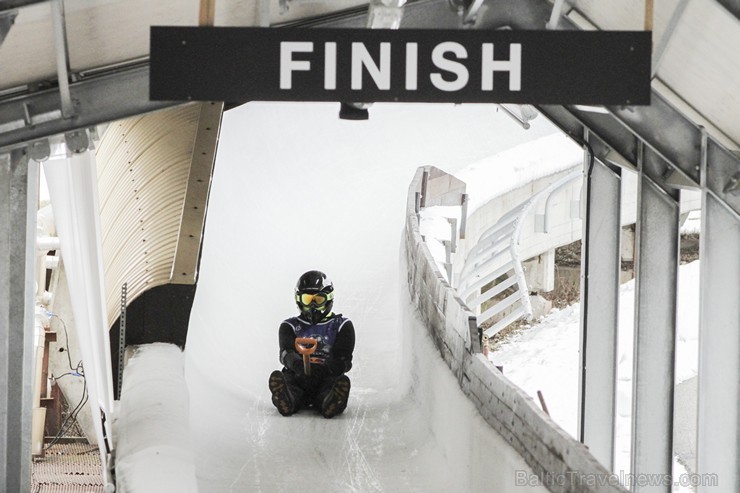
(296, 189)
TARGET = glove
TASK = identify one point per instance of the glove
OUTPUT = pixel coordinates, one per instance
(294, 362)
(335, 366)
(319, 371)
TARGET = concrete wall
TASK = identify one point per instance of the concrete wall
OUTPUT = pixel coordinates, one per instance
(561, 463)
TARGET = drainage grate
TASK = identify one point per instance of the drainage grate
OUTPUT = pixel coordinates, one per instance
(68, 468)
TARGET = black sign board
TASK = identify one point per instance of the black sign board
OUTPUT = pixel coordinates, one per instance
(412, 65)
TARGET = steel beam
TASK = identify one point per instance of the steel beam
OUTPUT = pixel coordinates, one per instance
(97, 99)
(732, 7)
(18, 204)
(718, 428)
(660, 126)
(654, 334)
(600, 268)
(6, 22)
(14, 4)
(62, 55)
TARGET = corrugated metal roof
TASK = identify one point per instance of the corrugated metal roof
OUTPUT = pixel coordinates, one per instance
(143, 168)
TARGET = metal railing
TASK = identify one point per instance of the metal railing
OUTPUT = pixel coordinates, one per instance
(493, 272)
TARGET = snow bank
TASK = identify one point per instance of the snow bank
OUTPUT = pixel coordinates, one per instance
(545, 358)
(153, 448)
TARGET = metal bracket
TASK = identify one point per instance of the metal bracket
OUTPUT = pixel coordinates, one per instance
(40, 150)
(77, 141)
(555, 15)
(471, 14)
(733, 185)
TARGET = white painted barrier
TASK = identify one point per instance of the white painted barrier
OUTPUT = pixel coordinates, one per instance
(153, 448)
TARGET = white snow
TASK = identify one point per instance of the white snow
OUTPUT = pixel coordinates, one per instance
(545, 358)
(505, 171)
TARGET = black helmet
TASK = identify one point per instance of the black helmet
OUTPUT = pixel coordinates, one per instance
(314, 295)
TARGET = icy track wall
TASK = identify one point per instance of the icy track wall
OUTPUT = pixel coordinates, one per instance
(562, 464)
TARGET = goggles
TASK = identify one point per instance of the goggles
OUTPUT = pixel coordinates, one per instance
(316, 298)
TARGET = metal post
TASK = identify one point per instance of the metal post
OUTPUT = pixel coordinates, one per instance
(122, 337)
(463, 214)
(62, 55)
(718, 427)
(656, 276)
(424, 181)
(600, 265)
(18, 204)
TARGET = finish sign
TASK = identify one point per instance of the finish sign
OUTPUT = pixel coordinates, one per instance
(410, 65)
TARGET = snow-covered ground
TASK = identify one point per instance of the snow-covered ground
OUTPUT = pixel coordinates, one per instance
(295, 189)
(545, 358)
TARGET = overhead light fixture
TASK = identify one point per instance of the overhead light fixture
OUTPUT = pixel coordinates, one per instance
(521, 113)
(381, 14)
(354, 111)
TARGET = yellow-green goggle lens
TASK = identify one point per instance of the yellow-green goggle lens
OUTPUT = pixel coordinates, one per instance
(308, 298)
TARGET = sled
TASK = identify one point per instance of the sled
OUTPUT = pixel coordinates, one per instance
(306, 346)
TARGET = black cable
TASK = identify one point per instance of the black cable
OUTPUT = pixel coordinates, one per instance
(78, 371)
(64, 375)
(66, 337)
(71, 417)
(584, 251)
(67, 425)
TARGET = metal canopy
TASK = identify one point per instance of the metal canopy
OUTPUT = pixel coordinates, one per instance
(689, 137)
(670, 127)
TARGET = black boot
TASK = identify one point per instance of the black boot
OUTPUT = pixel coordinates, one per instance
(282, 397)
(336, 399)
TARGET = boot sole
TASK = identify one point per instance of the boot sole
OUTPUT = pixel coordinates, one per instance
(280, 393)
(336, 401)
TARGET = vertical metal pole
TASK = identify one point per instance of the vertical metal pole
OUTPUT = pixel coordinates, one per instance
(718, 427)
(424, 180)
(656, 276)
(122, 337)
(60, 40)
(463, 214)
(448, 260)
(453, 233)
(600, 264)
(18, 204)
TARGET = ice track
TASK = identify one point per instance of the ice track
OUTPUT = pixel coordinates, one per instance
(297, 189)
